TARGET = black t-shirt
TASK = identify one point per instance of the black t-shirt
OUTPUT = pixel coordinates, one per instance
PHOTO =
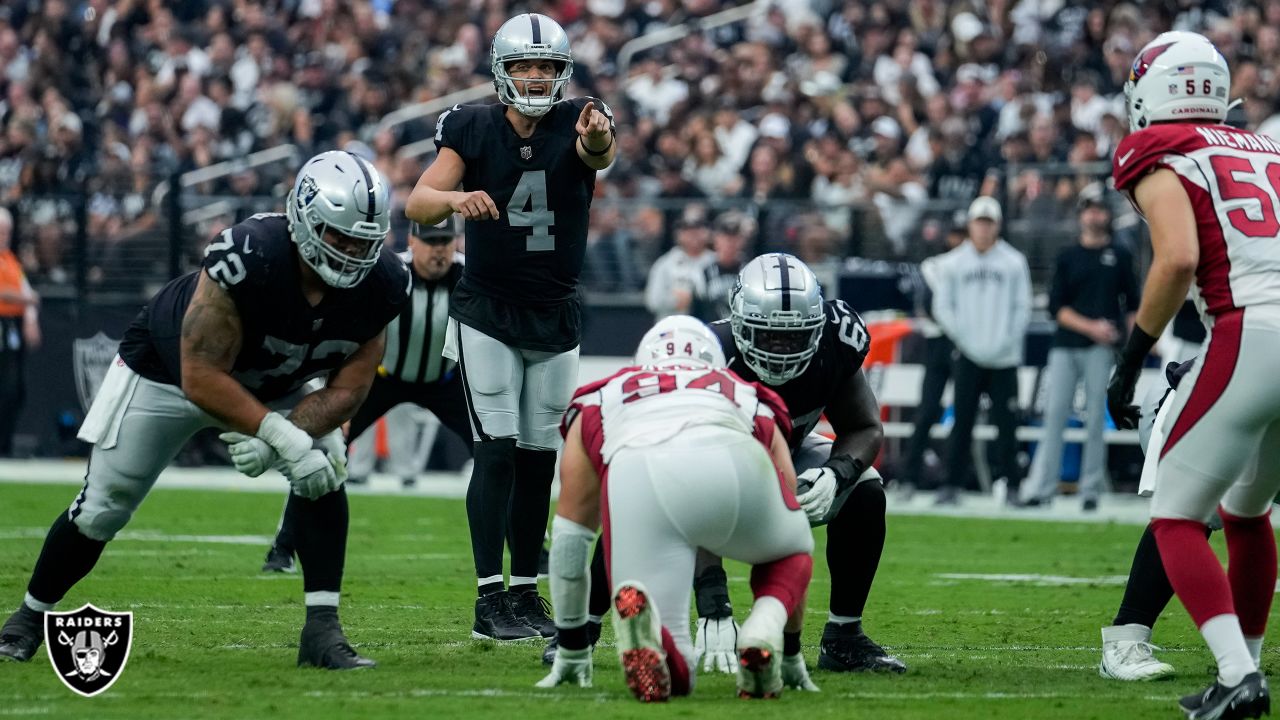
(285, 341)
(520, 285)
(1095, 282)
(841, 352)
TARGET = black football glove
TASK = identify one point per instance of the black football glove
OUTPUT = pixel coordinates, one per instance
(1123, 381)
(1120, 396)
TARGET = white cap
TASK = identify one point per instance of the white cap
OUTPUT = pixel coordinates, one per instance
(775, 125)
(985, 207)
(886, 126)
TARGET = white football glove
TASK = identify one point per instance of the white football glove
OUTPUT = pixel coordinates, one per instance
(795, 675)
(335, 446)
(251, 456)
(717, 644)
(313, 476)
(288, 440)
(816, 500)
(571, 666)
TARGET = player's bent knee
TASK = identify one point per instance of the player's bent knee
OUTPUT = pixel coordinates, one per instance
(102, 525)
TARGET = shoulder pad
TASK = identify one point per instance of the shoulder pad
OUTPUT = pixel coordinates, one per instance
(1142, 152)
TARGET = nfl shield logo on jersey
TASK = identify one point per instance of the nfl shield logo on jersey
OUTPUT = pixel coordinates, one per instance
(88, 647)
(90, 358)
(526, 152)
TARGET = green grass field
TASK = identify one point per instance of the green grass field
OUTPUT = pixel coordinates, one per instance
(214, 638)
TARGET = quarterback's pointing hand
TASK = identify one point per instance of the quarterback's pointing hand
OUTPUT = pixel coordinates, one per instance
(593, 126)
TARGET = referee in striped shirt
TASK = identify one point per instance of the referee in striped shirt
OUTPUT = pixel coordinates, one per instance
(413, 370)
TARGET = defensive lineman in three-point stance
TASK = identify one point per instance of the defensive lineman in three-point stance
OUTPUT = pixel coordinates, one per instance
(1211, 195)
(673, 454)
(527, 169)
(281, 299)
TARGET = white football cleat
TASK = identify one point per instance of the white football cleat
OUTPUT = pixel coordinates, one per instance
(760, 650)
(1127, 654)
(638, 632)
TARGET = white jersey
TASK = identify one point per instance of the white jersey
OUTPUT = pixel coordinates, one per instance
(644, 406)
(1233, 180)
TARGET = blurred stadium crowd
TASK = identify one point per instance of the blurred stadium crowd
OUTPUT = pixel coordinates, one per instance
(836, 128)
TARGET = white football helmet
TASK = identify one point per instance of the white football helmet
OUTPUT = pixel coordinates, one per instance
(339, 190)
(777, 315)
(1177, 76)
(528, 37)
(680, 338)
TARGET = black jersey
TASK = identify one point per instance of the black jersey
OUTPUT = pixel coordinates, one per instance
(285, 341)
(841, 351)
(521, 280)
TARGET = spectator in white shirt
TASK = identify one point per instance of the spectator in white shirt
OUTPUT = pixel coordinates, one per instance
(676, 274)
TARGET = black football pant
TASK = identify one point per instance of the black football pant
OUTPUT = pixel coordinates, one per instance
(444, 399)
(937, 371)
(1001, 386)
(12, 387)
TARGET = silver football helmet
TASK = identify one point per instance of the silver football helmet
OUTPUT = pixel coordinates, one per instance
(344, 192)
(527, 37)
(777, 316)
(681, 338)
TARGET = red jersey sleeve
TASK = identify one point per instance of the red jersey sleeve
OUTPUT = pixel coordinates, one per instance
(1145, 151)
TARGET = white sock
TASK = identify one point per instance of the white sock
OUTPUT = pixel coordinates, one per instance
(597, 619)
(36, 605)
(1255, 649)
(1226, 641)
(843, 619)
(767, 612)
(517, 580)
(321, 597)
(481, 582)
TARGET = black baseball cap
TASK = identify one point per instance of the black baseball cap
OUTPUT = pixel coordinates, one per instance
(440, 233)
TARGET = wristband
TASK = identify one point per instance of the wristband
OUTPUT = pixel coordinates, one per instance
(596, 153)
(847, 469)
(1136, 349)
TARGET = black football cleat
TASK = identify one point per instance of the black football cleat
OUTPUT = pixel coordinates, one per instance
(1249, 699)
(323, 645)
(549, 652)
(279, 560)
(495, 620)
(845, 648)
(21, 634)
(535, 611)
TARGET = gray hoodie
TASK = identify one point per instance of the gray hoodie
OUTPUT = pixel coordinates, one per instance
(982, 301)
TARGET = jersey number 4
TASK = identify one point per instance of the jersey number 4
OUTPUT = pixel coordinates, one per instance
(528, 208)
(1240, 179)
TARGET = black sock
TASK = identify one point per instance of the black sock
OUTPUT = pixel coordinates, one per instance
(598, 601)
(490, 588)
(855, 539)
(67, 556)
(573, 638)
(1148, 591)
(527, 512)
(791, 643)
(487, 500)
(321, 536)
(286, 536)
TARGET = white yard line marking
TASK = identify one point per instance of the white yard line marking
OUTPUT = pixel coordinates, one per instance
(148, 536)
(1036, 578)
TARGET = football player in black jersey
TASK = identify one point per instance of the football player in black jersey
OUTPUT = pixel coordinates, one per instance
(526, 168)
(281, 299)
(810, 352)
(413, 369)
